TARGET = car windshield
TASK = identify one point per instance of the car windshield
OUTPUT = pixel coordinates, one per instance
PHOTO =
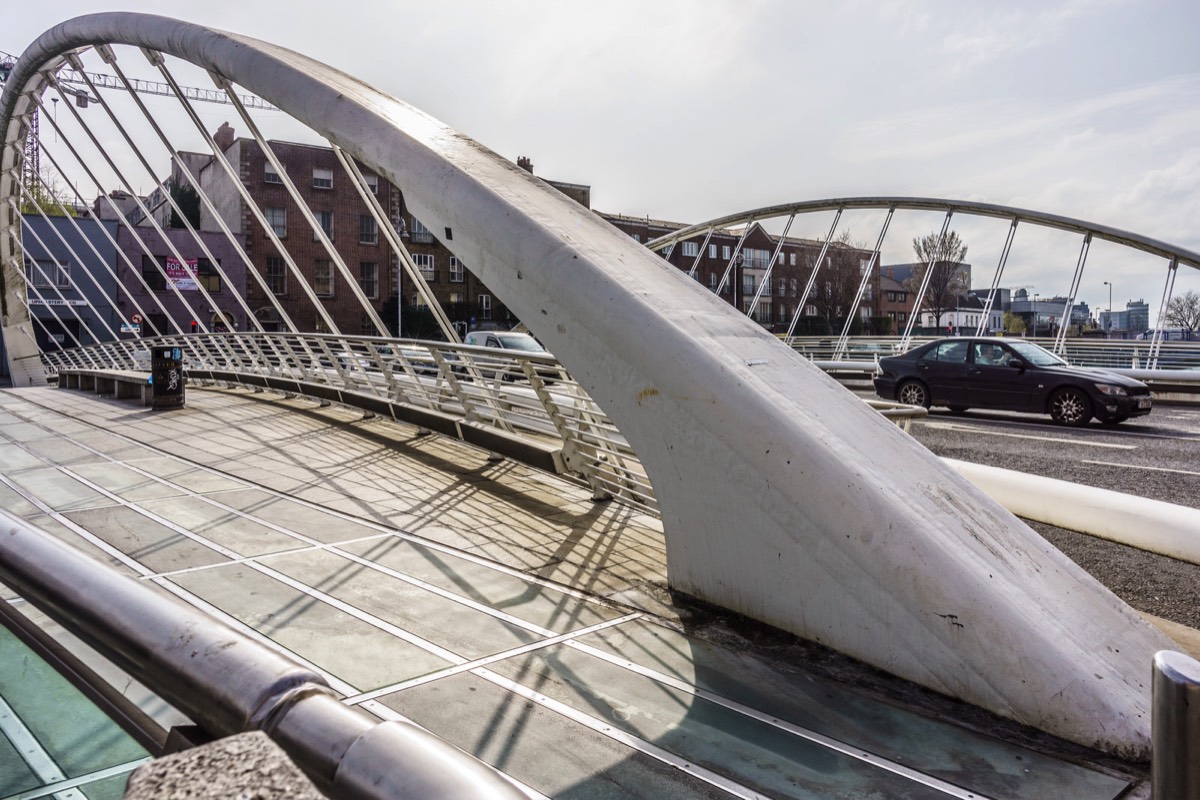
(520, 342)
(1035, 355)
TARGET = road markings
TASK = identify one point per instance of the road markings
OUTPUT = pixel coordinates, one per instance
(1139, 466)
(971, 429)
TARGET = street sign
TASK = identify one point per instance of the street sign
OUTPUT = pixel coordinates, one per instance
(128, 328)
(136, 319)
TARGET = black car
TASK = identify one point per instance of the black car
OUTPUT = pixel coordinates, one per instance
(1012, 375)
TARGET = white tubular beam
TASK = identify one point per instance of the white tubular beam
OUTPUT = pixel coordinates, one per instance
(783, 497)
(1152, 525)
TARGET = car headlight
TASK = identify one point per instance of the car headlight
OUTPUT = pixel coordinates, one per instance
(1112, 390)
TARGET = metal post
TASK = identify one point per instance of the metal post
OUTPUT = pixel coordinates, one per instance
(1175, 727)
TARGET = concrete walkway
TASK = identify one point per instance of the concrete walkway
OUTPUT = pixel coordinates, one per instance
(497, 606)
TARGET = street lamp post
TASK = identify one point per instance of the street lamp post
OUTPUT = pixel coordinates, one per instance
(1108, 325)
(1035, 315)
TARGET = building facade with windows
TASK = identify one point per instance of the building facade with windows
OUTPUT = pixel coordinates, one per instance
(292, 255)
(752, 271)
(70, 263)
(169, 295)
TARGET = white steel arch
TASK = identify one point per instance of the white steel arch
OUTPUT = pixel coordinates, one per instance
(783, 497)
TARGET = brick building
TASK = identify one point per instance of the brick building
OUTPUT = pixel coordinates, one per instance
(356, 237)
(778, 292)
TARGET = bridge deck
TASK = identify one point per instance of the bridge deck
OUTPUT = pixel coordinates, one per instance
(495, 605)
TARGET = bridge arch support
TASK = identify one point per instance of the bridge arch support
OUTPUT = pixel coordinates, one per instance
(783, 497)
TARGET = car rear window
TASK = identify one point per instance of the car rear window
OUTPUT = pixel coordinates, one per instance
(949, 351)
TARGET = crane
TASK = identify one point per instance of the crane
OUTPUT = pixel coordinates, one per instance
(31, 163)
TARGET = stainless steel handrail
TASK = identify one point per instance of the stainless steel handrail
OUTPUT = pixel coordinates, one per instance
(228, 683)
(1175, 727)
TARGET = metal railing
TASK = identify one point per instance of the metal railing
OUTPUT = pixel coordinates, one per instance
(1176, 364)
(228, 683)
(522, 405)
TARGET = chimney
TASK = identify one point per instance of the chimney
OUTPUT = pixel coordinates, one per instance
(224, 136)
(525, 164)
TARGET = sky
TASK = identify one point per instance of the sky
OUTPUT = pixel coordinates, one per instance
(688, 110)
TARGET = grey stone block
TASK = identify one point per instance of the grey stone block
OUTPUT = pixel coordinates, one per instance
(248, 766)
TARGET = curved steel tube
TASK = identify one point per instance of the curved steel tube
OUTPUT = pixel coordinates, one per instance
(883, 203)
(228, 683)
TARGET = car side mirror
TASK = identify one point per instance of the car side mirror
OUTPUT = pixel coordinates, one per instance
(1017, 363)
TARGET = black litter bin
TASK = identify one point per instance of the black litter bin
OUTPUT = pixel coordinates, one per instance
(166, 375)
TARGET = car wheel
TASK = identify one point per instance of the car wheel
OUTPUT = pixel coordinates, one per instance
(958, 409)
(1070, 406)
(914, 393)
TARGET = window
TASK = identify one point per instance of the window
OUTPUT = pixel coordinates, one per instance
(417, 301)
(365, 326)
(368, 278)
(794, 284)
(372, 182)
(485, 306)
(277, 219)
(322, 178)
(636, 237)
(325, 220)
(712, 280)
(725, 254)
(419, 232)
(791, 259)
(691, 249)
(456, 270)
(46, 272)
(457, 298)
(902, 297)
(276, 275)
(207, 275)
(891, 296)
(270, 175)
(368, 231)
(782, 287)
(747, 284)
(952, 352)
(427, 263)
(712, 251)
(323, 278)
(152, 274)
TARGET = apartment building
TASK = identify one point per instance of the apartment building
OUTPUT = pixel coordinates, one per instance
(301, 259)
(752, 272)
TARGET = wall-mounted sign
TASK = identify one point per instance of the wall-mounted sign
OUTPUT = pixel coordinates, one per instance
(54, 301)
(182, 276)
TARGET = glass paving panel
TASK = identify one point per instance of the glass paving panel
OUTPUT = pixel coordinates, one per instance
(49, 731)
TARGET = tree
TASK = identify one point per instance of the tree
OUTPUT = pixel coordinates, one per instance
(1184, 311)
(189, 203)
(1014, 324)
(46, 193)
(837, 282)
(942, 258)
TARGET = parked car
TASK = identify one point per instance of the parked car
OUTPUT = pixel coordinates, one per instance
(505, 340)
(514, 342)
(1011, 375)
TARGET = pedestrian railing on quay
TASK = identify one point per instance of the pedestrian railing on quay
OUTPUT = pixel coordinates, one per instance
(522, 405)
(1174, 370)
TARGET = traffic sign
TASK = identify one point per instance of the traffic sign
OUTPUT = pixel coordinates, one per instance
(127, 328)
(136, 319)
